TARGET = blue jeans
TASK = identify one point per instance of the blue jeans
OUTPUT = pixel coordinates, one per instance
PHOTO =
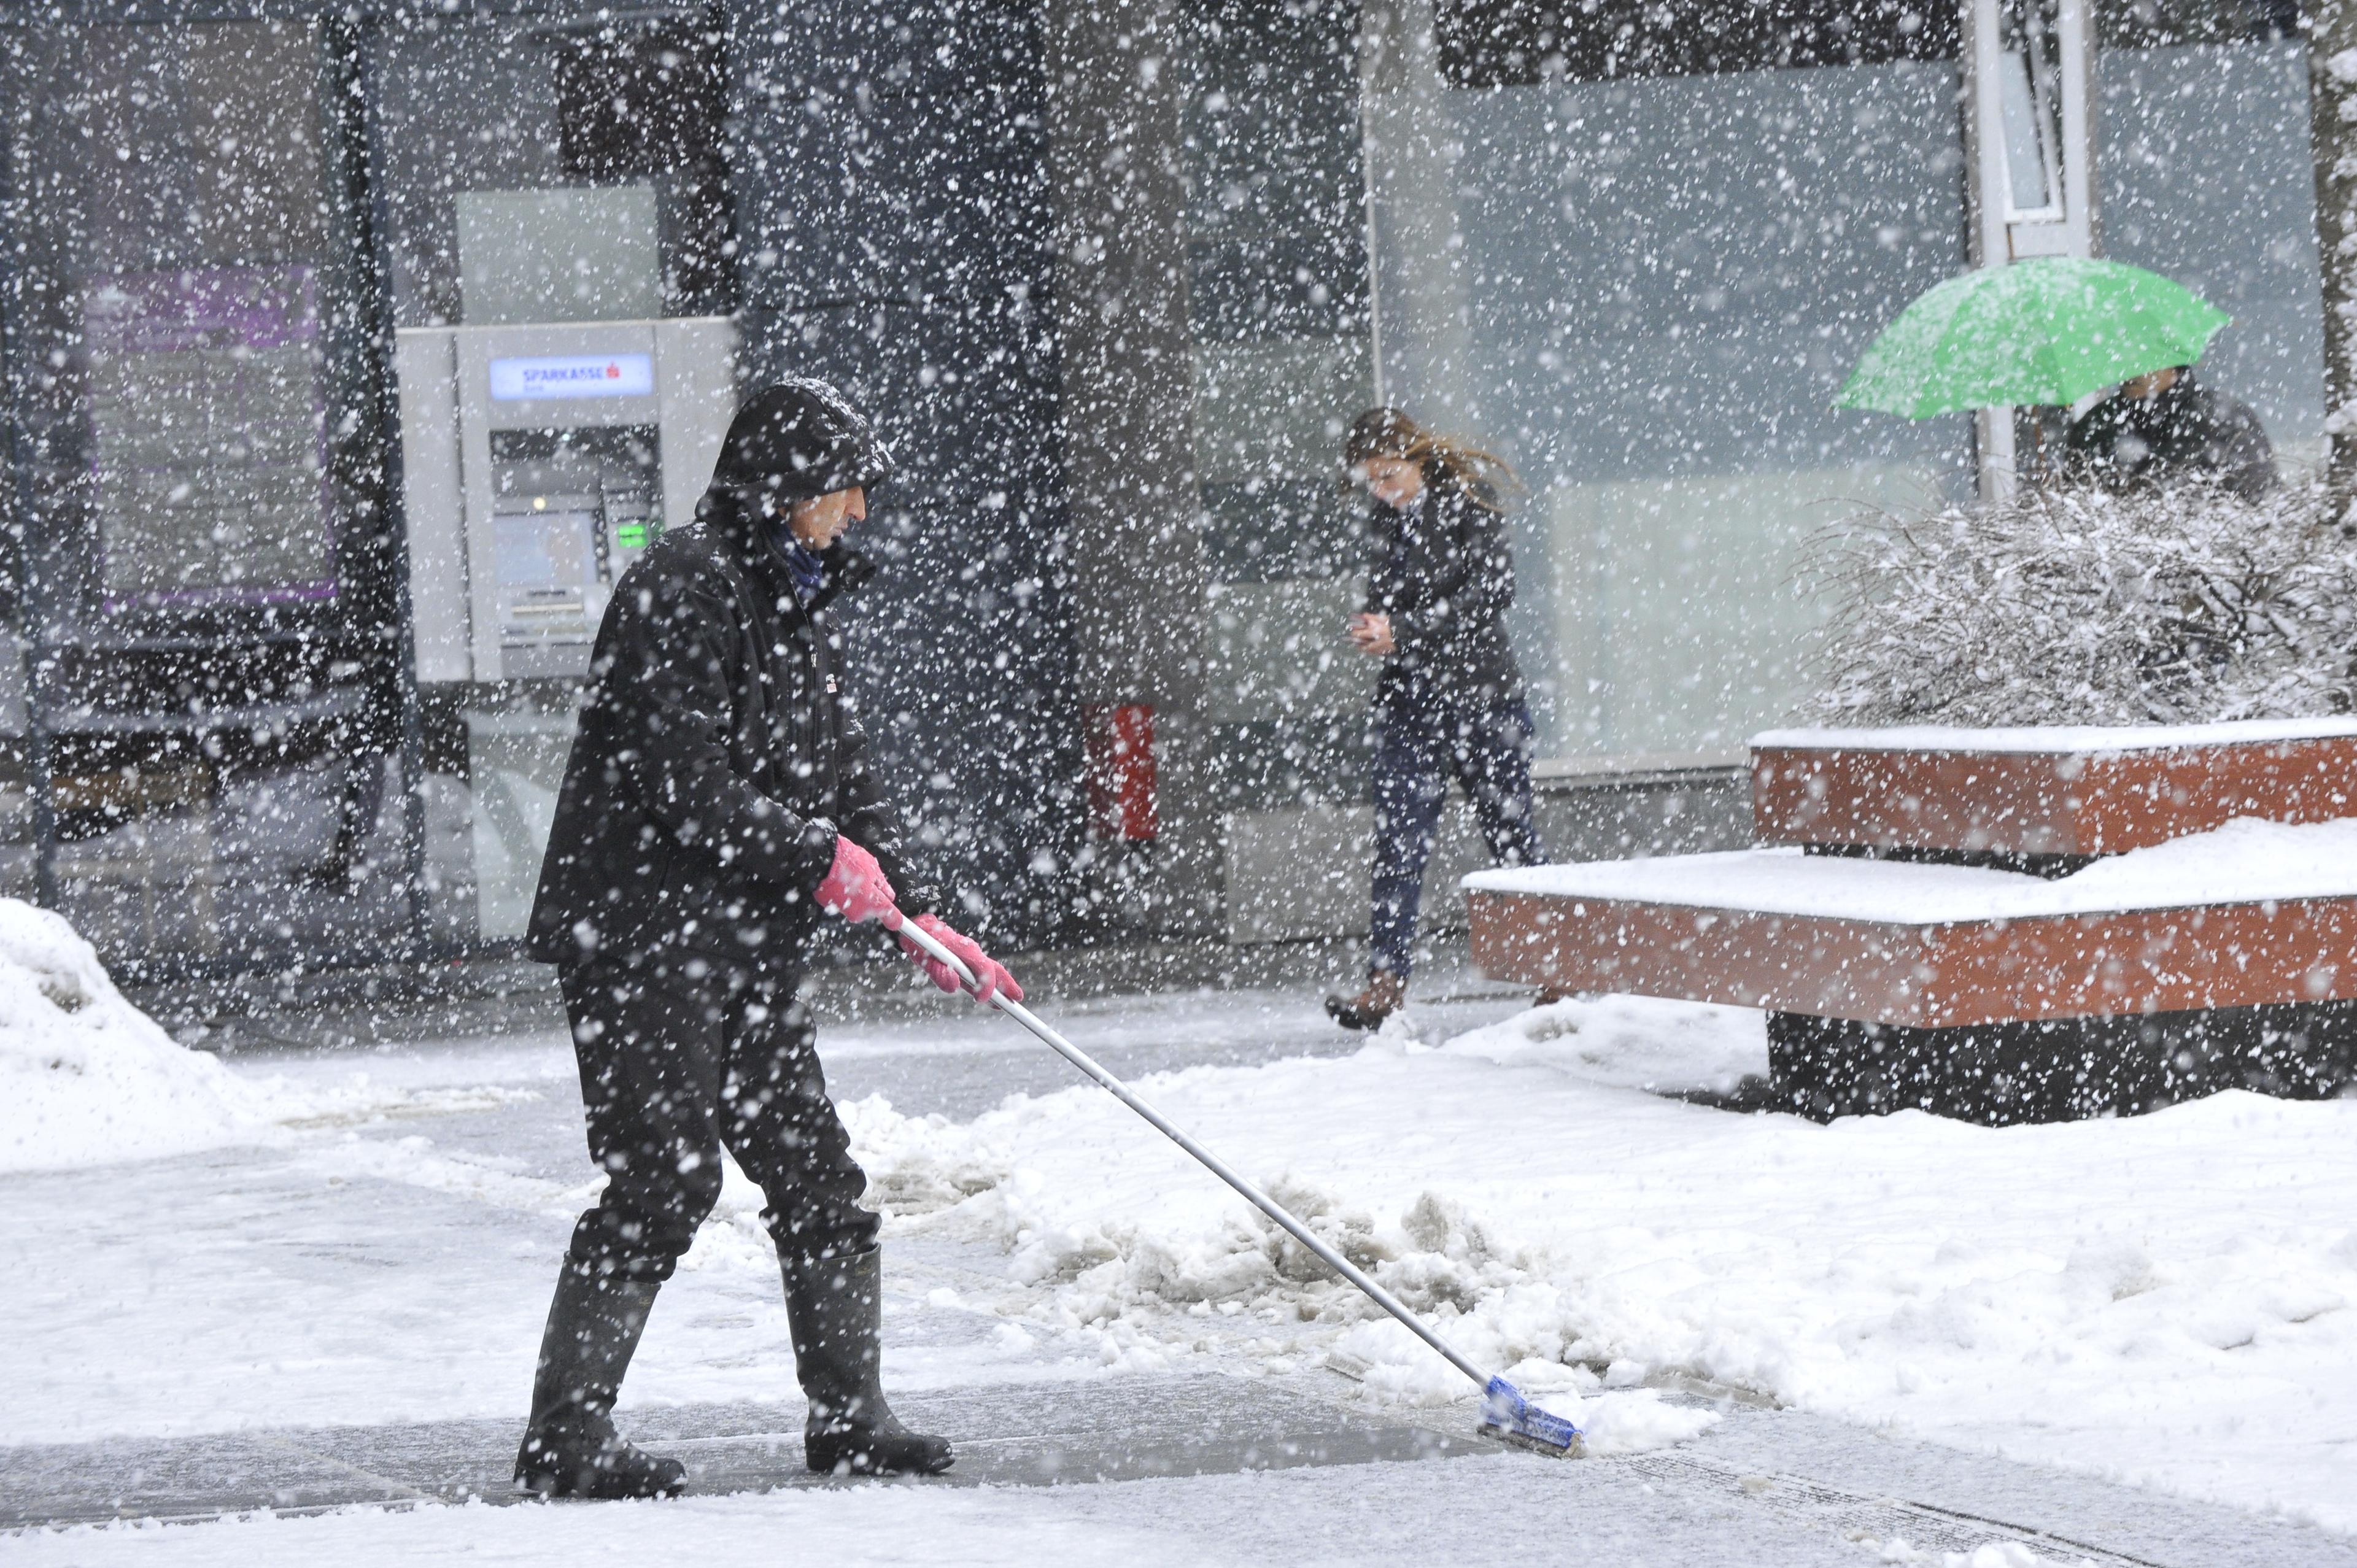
(1420, 745)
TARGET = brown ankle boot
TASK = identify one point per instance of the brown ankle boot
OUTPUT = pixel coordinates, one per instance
(1385, 993)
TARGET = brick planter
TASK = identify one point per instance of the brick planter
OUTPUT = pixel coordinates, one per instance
(1952, 982)
(2055, 796)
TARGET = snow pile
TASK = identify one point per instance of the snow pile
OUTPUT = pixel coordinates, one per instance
(1630, 1422)
(1995, 1554)
(87, 1078)
(1631, 1042)
(2164, 1299)
(2087, 608)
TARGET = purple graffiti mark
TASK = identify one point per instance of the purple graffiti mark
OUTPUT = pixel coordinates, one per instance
(238, 310)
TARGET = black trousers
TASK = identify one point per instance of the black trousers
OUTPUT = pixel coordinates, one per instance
(680, 1057)
(1423, 741)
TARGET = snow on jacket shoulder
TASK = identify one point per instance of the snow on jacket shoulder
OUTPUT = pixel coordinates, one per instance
(1444, 571)
(717, 757)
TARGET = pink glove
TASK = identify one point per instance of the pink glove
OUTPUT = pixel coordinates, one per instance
(992, 976)
(856, 888)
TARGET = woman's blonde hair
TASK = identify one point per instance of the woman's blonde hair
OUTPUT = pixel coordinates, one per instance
(1389, 432)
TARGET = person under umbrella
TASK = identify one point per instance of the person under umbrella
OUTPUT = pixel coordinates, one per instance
(719, 802)
(2167, 425)
(2048, 332)
(1450, 701)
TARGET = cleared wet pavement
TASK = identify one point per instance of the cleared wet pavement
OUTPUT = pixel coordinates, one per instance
(1763, 1486)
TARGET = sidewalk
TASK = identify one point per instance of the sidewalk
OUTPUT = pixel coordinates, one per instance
(1765, 1487)
(403, 1002)
(346, 1316)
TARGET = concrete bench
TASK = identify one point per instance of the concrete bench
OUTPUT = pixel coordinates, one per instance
(1973, 944)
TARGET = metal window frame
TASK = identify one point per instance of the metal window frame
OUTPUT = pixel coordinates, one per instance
(1997, 235)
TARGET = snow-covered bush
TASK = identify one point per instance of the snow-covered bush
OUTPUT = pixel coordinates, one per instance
(2189, 604)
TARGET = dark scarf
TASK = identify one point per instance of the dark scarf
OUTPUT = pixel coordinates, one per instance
(808, 571)
(803, 564)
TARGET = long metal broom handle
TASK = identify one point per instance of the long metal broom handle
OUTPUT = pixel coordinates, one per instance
(1210, 1161)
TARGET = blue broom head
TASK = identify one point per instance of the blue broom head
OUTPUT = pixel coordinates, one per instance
(1503, 1407)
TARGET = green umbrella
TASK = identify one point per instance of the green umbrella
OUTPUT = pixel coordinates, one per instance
(2047, 331)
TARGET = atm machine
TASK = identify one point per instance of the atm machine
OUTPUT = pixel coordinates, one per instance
(540, 459)
(540, 462)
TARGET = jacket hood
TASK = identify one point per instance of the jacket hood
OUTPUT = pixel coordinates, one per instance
(798, 438)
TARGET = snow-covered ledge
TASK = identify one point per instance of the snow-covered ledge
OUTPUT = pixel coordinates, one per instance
(2067, 792)
(2078, 740)
(2246, 861)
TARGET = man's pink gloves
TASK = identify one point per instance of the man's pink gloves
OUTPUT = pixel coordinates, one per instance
(856, 889)
(992, 976)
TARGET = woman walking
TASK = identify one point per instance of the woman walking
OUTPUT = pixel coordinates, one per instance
(1449, 703)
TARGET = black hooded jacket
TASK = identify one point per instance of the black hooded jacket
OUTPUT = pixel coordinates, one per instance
(2190, 430)
(1444, 572)
(719, 755)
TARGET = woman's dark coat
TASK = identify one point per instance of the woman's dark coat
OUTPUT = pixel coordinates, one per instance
(1444, 572)
(718, 756)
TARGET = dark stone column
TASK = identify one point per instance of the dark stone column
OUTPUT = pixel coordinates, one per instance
(1136, 556)
(1128, 355)
(889, 171)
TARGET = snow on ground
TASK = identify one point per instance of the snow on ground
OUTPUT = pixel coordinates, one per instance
(2163, 1300)
(87, 1078)
(862, 1525)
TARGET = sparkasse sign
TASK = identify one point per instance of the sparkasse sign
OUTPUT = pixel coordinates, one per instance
(551, 376)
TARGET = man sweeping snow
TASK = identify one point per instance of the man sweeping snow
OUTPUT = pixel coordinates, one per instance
(719, 800)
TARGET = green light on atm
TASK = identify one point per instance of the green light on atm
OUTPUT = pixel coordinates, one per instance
(631, 536)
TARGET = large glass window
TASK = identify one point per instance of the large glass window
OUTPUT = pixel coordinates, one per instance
(2206, 173)
(1637, 249)
(186, 274)
(209, 593)
(212, 579)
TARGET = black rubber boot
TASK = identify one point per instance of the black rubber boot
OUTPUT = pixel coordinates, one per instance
(836, 1307)
(571, 1449)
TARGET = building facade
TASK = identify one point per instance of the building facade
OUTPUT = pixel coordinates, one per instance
(352, 351)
